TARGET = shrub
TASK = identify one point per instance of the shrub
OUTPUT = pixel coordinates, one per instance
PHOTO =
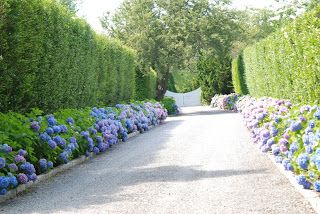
(169, 103)
(51, 59)
(34, 143)
(286, 64)
(238, 76)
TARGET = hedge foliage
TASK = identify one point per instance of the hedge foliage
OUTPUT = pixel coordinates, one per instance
(146, 84)
(287, 63)
(51, 59)
(214, 76)
(238, 76)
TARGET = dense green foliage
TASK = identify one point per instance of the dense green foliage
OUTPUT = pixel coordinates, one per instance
(183, 81)
(172, 35)
(286, 64)
(51, 59)
(214, 77)
(169, 103)
(238, 76)
(146, 84)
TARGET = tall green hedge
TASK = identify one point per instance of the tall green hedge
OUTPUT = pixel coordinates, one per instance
(238, 76)
(287, 63)
(146, 83)
(214, 76)
(51, 59)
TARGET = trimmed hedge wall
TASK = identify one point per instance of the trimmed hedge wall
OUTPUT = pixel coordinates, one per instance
(238, 76)
(287, 63)
(51, 59)
(146, 84)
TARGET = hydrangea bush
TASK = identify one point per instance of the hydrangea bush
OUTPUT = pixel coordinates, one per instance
(225, 102)
(291, 133)
(33, 144)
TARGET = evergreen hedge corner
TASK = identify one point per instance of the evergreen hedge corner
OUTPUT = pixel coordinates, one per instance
(287, 63)
(51, 59)
(238, 76)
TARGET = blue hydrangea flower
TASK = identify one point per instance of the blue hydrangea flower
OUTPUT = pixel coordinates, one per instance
(3, 191)
(22, 152)
(2, 163)
(43, 164)
(296, 126)
(275, 149)
(50, 164)
(303, 161)
(73, 140)
(13, 167)
(4, 182)
(317, 186)
(45, 137)
(32, 177)
(56, 129)
(70, 120)
(301, 179)
(49, 131)
(63, 129)
(13, 181)
(51, 121)
(52, 144)
(278, 159)
(96, 150)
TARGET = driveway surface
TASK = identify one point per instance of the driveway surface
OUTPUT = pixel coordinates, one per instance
(199, 162)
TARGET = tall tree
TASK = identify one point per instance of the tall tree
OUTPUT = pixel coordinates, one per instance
(171, 35)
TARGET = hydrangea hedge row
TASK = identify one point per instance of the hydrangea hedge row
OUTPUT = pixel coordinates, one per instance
(285, 64)
(33, 144)
(290, 132)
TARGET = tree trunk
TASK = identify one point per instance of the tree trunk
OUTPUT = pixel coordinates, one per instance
(162, 85)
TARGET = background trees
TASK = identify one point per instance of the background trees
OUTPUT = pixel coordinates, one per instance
(175, 35)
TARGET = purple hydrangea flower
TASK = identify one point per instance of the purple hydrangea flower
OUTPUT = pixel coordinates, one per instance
(2, 163)
(22, 178)
(19, 159)
(35, 126)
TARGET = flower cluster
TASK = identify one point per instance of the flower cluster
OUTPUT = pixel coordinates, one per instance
(65, 135)
(225, 102)
(290, 132)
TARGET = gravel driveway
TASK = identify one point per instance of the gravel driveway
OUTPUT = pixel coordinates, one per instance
(199, 162)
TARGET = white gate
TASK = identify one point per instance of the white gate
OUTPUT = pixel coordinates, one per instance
(192, 98)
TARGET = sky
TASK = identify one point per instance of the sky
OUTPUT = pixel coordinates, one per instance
(91, 10)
